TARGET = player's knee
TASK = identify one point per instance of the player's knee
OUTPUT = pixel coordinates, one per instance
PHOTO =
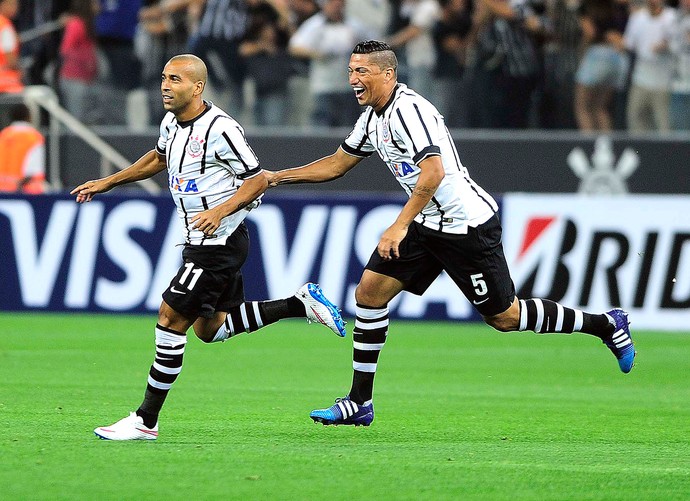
(206, 337)
(366, 296)
(501, 323)
(206, 329)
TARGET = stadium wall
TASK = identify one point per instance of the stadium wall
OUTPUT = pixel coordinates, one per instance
(501, 161)
(118, 253)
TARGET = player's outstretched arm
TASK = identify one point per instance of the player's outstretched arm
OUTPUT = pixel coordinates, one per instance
(148, 165)
(322, 170)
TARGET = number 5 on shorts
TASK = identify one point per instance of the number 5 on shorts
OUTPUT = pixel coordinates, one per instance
(479, 284)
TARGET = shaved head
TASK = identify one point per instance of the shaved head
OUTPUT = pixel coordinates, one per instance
(182, 85)
(193, 66)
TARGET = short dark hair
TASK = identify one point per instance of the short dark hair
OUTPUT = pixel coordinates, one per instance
(371, 46)
(383, 54)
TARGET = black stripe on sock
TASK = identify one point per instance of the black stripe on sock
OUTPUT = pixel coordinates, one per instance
(165, 362)
(251, 317)
(166, 329)
(237, 321)
(373, 336)
(162, 377)
(531, 314)
(365, 356)
(550, 316)
(568, 320)
(372, 320)
(158, 391)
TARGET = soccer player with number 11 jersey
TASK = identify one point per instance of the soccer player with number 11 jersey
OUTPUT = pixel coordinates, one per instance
(215, 180)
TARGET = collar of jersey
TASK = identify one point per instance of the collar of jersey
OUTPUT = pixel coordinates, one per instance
(385, 106)
(187, 123)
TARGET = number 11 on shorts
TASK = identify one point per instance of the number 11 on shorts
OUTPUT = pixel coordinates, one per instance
(195, 274)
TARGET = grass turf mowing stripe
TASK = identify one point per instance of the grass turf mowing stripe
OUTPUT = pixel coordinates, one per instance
(462, 412)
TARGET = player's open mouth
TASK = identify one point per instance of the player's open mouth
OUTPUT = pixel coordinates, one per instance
(358, 91)
(167, 99)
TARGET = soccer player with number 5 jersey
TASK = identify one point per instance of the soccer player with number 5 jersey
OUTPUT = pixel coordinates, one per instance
(449, 223)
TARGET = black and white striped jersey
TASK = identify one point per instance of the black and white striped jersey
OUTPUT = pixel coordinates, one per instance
(208, 158)
(406, 131)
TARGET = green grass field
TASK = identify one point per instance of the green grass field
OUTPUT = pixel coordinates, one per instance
(462, 412)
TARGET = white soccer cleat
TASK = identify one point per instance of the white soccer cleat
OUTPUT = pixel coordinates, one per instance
(130, 428)
(320, 309)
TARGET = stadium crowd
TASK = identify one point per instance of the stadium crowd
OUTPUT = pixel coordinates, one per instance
(554, 64)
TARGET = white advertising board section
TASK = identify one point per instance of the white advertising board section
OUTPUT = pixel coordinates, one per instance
(118, 253)
(594, 253)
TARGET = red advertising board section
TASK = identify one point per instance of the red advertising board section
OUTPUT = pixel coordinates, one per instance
(118, 253)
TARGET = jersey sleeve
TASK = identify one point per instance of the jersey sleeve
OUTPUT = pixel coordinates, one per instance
(357, 143)
(233, 151)
(415, 123)
(164, 134)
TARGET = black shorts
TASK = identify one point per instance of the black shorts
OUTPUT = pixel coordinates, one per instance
(210, 279)
(475, 262)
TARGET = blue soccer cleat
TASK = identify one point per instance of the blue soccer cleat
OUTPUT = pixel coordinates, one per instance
(320, 309)
(344, 411)
(620, 341)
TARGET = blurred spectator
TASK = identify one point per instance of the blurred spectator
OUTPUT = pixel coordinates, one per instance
(79, 62)
(163, 31)
(327, 39)
(451, 38)
(561, 59)
(40, 54)
(419, 52)
(603, 67)
(115, 29)
(263, 12)
(375, 15)
(221, 27)
(301, 10)
(680, 85)
(648, 36)
(299, 100)
(22, 154)
(507, 62)
(268, 65)
(10, 74)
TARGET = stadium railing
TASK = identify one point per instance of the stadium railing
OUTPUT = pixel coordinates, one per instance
(43, 97)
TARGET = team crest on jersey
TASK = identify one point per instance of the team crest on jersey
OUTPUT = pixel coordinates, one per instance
(385, 131)
(195, 147)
